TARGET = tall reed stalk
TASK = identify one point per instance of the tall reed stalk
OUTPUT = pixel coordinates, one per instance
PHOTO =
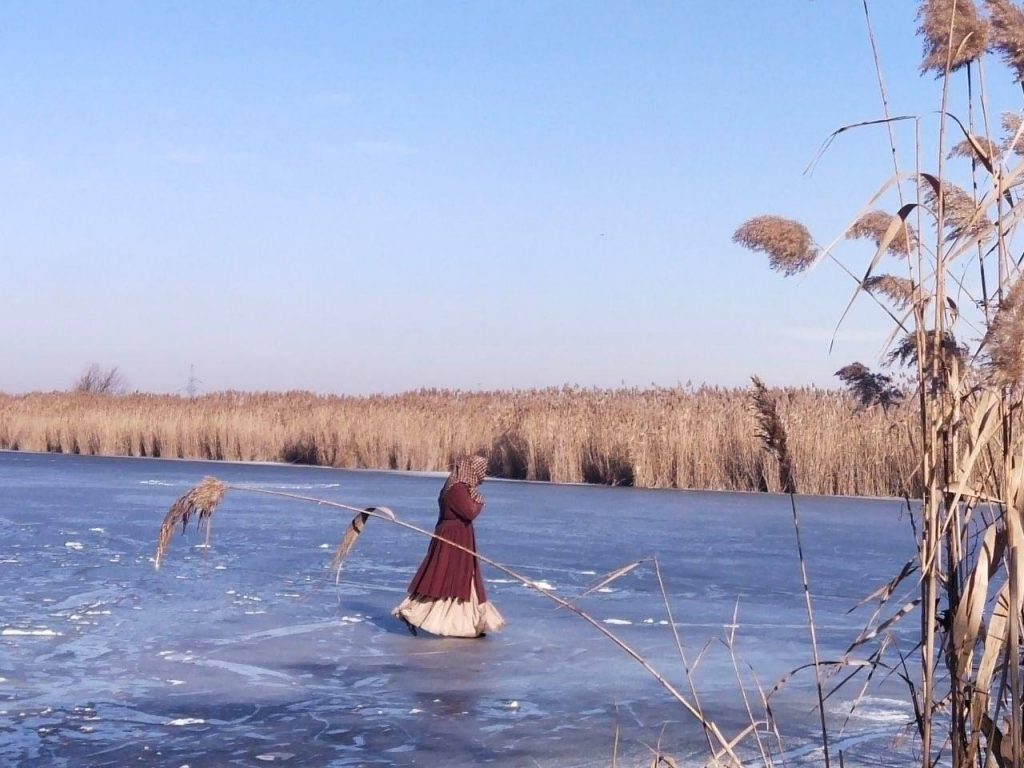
(954, 291)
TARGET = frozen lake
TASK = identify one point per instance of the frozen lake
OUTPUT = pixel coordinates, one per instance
(248, 654)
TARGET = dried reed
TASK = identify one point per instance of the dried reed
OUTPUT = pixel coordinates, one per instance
(953, 35)
(677, 437)
(200, 501)
(787, 243)
(1006, 28)
(873, 226)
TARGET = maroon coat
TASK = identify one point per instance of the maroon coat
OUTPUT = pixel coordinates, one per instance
(448, 572)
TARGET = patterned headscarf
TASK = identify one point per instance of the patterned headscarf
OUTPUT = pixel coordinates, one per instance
(471, 471)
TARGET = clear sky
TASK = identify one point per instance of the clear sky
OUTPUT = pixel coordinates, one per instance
(362, 197)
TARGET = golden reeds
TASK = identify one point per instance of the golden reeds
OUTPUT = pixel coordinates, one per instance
(670, 437)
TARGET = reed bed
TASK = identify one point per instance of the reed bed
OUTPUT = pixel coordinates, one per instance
(702, 438)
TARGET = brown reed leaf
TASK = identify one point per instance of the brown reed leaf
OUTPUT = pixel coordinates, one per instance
(787, 243)
(995, 639)
(873, 226)
(899, 290)
(968, 40)
(967, 618)
(1004, 342)
(1006, 29)
(870, 388)
(351, 534)
(201, 501)
(959, 213)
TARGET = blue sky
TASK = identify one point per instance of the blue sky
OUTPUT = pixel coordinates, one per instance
(375, 197)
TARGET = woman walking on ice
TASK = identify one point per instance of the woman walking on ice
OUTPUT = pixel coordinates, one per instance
(447, 596)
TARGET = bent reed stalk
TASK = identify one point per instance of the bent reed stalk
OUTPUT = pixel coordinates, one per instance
(202, 501)
(673, 437)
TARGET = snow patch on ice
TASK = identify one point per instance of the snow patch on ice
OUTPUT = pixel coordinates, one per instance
(541, 584)
(73, 544)
(175, 682)
(98, 530)
(156, 482)
(10, 631)
(617, 621)
(187, 721)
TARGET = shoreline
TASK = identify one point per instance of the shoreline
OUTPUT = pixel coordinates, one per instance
(441, 474)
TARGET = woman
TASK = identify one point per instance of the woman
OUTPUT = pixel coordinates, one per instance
(447, 596)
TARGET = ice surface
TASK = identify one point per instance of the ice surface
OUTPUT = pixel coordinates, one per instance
(249, 653)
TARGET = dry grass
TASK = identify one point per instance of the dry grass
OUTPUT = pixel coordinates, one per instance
(658, 438)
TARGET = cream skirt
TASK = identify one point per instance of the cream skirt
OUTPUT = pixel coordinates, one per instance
(450, 617)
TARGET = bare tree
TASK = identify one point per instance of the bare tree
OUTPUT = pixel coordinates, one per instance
(98, 381)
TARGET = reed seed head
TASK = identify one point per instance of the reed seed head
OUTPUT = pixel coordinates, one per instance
(788, 244)
(1011, 125)
(201, 501)
(976, 147)
(873, 226)
(1006, 29)
(870, 388)
(960, 214)
(772, 431)
(1004, 342)
(969, 37)
(906, 351)
(899, 290)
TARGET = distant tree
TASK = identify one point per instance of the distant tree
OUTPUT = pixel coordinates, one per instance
(99, 381)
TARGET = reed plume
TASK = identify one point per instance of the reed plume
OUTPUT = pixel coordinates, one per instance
(1006, 28)
(787, 243)
(1004, 342)
(899, 290)
(870, 388)
(969, 39)
(200, 501)
(976, 147)
(1011, 125)
(873, 226)
(772, 432)
(960, 215)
